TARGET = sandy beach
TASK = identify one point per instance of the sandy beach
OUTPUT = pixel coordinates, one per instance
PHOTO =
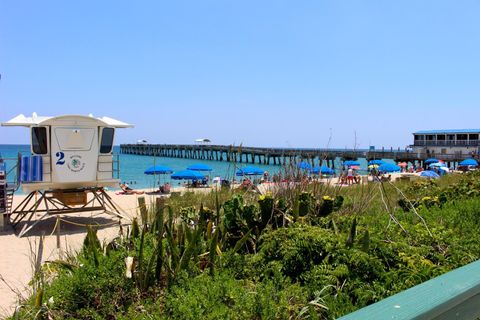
(16, 266)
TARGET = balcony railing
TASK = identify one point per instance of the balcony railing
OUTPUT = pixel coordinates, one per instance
(446, 143)
(454, 295)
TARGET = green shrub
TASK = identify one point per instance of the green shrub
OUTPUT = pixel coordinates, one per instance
(224, 297)
(247, 259)
(306, 203)
(90, 291)
(297, 248)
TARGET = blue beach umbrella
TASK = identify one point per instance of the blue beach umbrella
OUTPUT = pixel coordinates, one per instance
(200, 167)
(388, 167)
(437, 165)
(376, 162)
(469, 162)
(304, 165)
(249, 171)
(158, 170)
(187, 175)
(323, 170)
(351, 163)
(429, 174)
(431, 160)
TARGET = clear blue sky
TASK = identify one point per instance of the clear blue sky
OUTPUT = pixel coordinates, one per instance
(261, 73)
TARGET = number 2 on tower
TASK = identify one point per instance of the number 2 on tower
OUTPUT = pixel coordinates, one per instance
(60, 157)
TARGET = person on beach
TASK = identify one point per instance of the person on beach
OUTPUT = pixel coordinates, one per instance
(246, 184)
(342, 179)
(385, 178)
(165, 189)
(350, 176)
(205, 182)
(265, 177)
(356, 178)
(127, 190)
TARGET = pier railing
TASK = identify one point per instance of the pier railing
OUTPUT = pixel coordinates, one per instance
(454, 295)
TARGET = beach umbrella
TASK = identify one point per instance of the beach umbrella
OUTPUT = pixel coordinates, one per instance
(389, 167)
(429, 174)
(431, 160)
(355, 167)
(187, 175)
(158, 170)
(437, 165)
(469, 162)
(376, 162)
(322, 170)
(402, 164)
(304, 165)
(249, 171)
(350, 163)
(373, 166)
(200, 167)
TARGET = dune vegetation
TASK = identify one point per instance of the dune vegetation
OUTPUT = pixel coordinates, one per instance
(304, 252)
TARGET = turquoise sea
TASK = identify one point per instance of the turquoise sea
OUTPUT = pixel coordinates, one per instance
(133, 166)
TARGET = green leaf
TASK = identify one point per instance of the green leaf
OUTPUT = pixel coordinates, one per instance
(365, 241)
(351, 235)
(240, 243)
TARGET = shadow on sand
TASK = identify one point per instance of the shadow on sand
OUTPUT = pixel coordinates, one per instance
(68, 225)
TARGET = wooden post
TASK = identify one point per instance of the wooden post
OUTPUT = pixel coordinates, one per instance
(143, 210)
(59, 246)
(159, 206)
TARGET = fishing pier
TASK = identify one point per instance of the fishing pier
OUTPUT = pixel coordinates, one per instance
(278, 156)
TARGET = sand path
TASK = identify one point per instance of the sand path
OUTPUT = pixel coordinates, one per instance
(16, 253)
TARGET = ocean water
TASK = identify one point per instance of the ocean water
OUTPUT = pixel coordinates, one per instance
(133, 166)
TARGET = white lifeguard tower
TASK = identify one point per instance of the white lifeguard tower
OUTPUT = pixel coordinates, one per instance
(71, 158)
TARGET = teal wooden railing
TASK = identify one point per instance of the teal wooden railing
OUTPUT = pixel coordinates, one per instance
(454, 295)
